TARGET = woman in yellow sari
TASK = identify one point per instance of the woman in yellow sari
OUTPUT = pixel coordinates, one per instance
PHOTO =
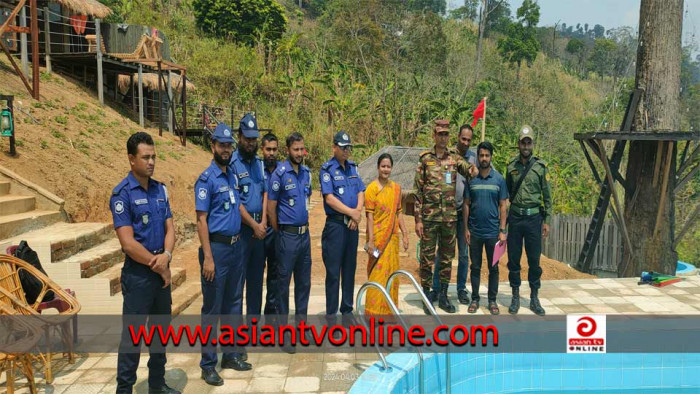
(383, 207)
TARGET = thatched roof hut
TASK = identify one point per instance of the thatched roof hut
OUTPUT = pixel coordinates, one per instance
(86, 7)
(150, 82)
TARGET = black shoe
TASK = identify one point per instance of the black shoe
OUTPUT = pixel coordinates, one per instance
(211, 377)
(444, 301)
(164, 389)
(244, 354)
(433, 295)
(236, 363)
(463, 297)
(514, 302)
(289, 349)
(535, 304)
(429, 295)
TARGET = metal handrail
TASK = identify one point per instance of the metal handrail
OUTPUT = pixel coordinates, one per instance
(387, 298)
(433, 312)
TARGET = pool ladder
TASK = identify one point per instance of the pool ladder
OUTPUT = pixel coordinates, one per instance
(383, 291)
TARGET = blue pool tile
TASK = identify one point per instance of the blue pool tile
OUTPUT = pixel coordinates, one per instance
(612, 361)
(612, 378)
(691, 359)
(632, 360)
(652, 377)
(632, 377)
(571, 361)
(571, 379)
(552, 360)
(672, 360)
(551, 379)
(671, 377)
(592, 378)
(653, 360)
(691, 377)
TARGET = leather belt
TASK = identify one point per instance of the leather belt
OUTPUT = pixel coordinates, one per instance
(224, 239)
(294, 229)
(338, 218)
(525, 211)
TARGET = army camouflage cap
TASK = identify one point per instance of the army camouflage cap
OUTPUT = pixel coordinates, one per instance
(442, 125)
(526, 132)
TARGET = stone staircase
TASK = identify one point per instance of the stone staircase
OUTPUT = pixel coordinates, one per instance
(84, 257)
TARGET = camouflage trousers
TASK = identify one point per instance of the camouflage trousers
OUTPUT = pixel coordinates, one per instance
(440, 236)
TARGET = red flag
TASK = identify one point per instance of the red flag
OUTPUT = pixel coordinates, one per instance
(478, 112)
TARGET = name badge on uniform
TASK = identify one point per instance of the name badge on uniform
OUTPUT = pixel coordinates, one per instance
(291, 202)
(448, 177)
(243, 175)
(245, 188)
(231, 196)
(141, 201)
(341, 191)
(144, 218)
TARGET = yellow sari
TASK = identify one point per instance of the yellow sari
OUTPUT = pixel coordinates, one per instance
(385, 205)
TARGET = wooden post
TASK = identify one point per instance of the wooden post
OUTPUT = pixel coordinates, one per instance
(23, 41)
(98, 51)
(47, 39)
(184, 107)
(170, 101)
(34, 14)
(116, 87)
(160, 101)
(133, 93)
(141, 122)
(483, 123)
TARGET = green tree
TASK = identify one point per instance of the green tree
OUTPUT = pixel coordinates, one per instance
(245, 21)
(469, 11)
(520, 43)
(423, 43)
(598, 31)
(602, 61)
(436, 6)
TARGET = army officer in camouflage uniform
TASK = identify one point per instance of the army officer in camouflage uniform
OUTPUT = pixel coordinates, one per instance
(528, 219)
(436, 209)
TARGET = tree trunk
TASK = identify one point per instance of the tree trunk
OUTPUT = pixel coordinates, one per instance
(658, 74)
(482, 26)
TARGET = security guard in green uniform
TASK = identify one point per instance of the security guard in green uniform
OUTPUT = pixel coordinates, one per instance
(528, 219)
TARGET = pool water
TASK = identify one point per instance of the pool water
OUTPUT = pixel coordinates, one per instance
(537, 372)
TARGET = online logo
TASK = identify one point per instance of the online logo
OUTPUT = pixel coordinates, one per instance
(586, 333)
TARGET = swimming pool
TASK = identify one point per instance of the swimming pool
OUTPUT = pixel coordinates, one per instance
(537, 372)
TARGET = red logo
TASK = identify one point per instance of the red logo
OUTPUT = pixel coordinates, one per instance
(586, 326)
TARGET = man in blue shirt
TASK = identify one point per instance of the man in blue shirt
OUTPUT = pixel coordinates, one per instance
(288, 210)
(269, 148)
(144, 226)
(221, 252)
(485, 199)
(252, 186)
(466, 133)
(343, 199)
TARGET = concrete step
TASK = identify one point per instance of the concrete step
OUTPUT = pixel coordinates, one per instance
(114, 274)
(97, 259)
(4, 187)
(11, 225)
(185, 295)
(11, 204)
(62, 240)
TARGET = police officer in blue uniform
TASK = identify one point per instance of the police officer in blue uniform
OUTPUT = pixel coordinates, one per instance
(343, 199)
(144, 226)
(221, 253)
(288, 210)
(269, 147)
(252, 185)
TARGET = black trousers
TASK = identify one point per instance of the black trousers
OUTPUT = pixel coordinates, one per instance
(144, 299)
(529, 230)
(272, 299)
(476, 248)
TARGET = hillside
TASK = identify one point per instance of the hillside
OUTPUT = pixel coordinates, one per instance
(72, 146)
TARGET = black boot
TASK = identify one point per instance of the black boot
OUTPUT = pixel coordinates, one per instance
(444, 301)
(432, 296)
(535, 304)
(514, 302)
(427, 292)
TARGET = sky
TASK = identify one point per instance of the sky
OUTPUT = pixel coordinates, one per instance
(609, 13)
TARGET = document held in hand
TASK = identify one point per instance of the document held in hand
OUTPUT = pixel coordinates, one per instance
(498, 251)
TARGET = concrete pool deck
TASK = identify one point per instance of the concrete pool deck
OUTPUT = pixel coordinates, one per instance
(336, 372)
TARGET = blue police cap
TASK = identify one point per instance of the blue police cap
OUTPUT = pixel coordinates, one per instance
(342, 138)
(222, 133)
(249, 126)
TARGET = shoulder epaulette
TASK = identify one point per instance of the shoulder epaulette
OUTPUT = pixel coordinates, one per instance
(120, 186)
(204, 176)
(425, 152)
(325, 166)
(281, 170)
(305, 167)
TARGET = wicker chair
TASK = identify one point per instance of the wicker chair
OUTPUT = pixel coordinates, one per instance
(18, 339)
(13, 301)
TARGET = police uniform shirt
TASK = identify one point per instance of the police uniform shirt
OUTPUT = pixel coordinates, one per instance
(291, 192)
(268, 176)
(344, 184)
(216, 193)
(251, 181)
(144, 210)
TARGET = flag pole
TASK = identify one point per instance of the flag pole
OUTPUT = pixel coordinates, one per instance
(483, 123)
